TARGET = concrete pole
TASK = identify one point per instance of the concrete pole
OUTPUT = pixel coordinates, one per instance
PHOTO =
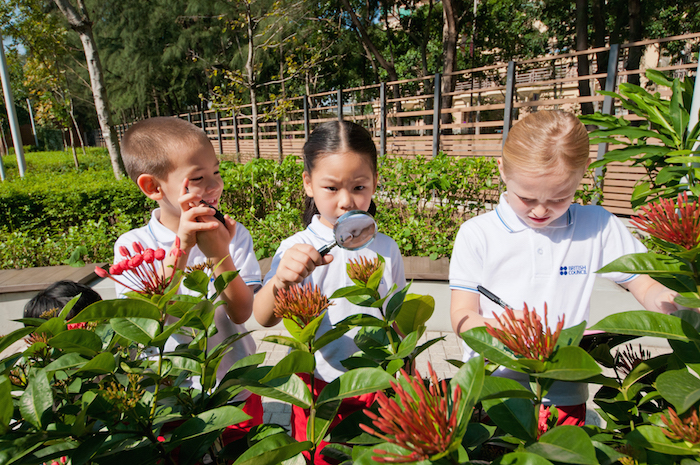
(11, 113)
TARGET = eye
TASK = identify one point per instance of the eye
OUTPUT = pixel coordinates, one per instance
(360, 188)
(331, 188)
(196, 179)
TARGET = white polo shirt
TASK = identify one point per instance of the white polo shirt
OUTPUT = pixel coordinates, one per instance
(555, 264)
(332, 277)
(154, 235)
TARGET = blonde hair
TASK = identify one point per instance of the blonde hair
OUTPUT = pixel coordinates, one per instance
(546, 141)
(149, 145)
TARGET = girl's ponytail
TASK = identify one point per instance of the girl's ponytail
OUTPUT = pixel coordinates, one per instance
(310, 210)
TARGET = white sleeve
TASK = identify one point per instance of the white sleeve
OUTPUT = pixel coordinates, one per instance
(284, 246)
(466, 263)
(397, 271)
(243, 256)
(618, 241)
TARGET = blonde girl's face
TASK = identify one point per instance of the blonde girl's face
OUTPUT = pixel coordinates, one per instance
(539, 200)
(339, 183)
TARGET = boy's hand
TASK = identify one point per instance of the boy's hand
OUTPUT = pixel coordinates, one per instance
(194, 218)
(297, 263)
(214, 243)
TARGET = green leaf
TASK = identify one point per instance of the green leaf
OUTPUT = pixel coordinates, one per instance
(206, 422)
(645, 323)
(415, 312)
(570, 364)
(653, 438)
(567, 444)
(521, 458)
(118, 308)
(141, 330)
(76, 257)
(325, 414)
(680, 388)
(496, 387)
(647, 263)
(329, 336)
(36, 402)
(181, 364)
(102, 363)
(197, 281)
(407, 345)
(78, 340)
(295, 362)
(470, 379)
(644, 368)
(6, 406)
(308, 334)
(273, 450)
(286, 341)
(571, 336)
(376, 278)
(395, 302)
(355, 383)
(491, 348)
(515, 416)
(223, 280)
(9, 339)
(292, 390)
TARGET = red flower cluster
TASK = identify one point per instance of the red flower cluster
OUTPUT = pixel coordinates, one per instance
(528, 337)
(301, 304)
(139, 271)
(362, 268)
(687, 429)
(422, 420)
(677, 223)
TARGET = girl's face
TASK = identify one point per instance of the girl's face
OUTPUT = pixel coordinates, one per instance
(538, 200)
(340, 182)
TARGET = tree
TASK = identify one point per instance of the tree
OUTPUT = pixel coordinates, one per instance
(80, 22)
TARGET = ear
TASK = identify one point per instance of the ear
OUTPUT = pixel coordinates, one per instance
(501, 171)
(150, 186)
(307, 184)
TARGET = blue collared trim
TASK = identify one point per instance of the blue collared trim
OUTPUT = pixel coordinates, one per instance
(464, 288)
(257, 281)
(628, 279)
(314, 232)
(503, 221)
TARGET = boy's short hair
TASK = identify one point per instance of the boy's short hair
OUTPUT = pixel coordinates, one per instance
(547, 140)
(56, 296)
(147, 146)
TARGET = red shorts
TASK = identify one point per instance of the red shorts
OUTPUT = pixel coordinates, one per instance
(300, 416)
(572, 415)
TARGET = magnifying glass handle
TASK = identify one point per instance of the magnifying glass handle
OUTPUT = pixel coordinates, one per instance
(326, 248)
(493, 297)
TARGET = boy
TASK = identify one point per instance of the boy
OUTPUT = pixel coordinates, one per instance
(174, 163)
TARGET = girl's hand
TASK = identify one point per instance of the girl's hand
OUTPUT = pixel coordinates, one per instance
(297, 263)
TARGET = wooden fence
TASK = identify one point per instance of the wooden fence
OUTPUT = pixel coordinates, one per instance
(406, 117)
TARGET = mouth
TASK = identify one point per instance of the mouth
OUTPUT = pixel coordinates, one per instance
(539, 220)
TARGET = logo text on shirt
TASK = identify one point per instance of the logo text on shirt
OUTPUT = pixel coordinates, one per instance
(572, 270)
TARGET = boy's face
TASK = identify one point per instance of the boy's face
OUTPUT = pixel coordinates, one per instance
(199, 164)
(538, 200)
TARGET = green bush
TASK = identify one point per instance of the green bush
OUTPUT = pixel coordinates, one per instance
(54, 208)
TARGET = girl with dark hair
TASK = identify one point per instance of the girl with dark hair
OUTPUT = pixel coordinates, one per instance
(340, 175)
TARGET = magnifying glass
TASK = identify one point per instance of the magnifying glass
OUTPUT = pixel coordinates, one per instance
(354, 230)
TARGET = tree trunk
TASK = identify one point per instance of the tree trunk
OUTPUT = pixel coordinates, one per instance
(82, 25)
(449, 56)
(250, 76)
(600, 32)
(584, 85)
(635, 34)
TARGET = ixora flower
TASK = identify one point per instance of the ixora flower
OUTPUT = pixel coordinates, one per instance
(363, 268)
(422, 420)
(687, 429)
(674, 222)
(527, 337)
(301, 304)
(140, 271)
(627, 359)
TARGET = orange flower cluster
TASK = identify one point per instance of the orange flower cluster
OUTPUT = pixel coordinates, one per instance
(302, 304)
(527, 337)
(362, 268)
(420, 421)
(687, 429)
(677, 223)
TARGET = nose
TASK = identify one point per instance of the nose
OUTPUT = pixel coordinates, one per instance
(345, 200)
(540, 210)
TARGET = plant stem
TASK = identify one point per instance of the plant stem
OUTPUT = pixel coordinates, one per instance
(157, 387)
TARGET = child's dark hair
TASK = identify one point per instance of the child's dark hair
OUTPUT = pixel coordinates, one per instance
(56, 296)
(337, 137)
